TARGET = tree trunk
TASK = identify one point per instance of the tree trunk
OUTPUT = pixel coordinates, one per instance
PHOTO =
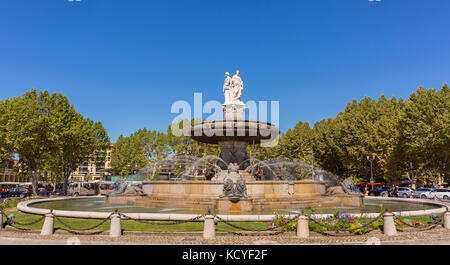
(65, 184)
(34, 181)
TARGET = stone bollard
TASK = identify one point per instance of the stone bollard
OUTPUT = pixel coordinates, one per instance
(48, 226)
(209, 230)
(115, 229)
(389, 224)
(302, 227)
(1, 220)
(447, 219)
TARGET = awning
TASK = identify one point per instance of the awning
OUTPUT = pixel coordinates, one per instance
(368, 183)
(15, 183)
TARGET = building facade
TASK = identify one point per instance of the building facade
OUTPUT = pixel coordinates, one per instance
(92, 171)
(11, 173)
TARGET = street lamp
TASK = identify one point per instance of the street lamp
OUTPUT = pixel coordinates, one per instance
(252, 157)
(370, 159)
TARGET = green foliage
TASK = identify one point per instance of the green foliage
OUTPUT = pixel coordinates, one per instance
(48, 135)
(183, 144)
(409, 139)
(364, 129)
(28, 129)
(8, 204)
(76, 140)
(138, 150)
(6, 151)
(425, 134)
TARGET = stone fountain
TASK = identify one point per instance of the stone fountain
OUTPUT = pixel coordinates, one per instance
(229, 186)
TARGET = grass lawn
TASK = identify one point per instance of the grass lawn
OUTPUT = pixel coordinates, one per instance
(132, 225)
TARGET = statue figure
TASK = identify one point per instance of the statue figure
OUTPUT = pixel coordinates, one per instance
(228, 188)
(122, 187)
(227, 88)
(257, 172)
(334, 190)
(209, 172)
(241, 188)
(238, 87)
(233, 167)
(349, 187)
(119, 187)
(134, 189)
(234, 190)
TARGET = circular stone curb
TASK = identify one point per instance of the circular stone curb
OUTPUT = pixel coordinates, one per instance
(25, 207)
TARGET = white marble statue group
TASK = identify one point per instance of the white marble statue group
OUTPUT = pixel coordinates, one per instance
(232, 88)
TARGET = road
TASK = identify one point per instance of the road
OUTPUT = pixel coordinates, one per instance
(74, 241)
(70, 241)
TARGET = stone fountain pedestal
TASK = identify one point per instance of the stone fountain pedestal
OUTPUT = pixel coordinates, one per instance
(234, 111)
(226, 205)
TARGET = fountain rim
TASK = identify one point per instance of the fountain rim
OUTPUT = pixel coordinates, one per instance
(25, 208)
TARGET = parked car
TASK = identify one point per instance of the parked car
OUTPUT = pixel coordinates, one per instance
(4, 194)
(404, 192)
(105, 188)
(83, 189)
(19, 192)
(437, 193)
(44, 192)
(418, 192)
(57, 192)
(380, 191)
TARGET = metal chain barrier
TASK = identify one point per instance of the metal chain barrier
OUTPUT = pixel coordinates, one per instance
(11, 221)
(80, 231)
(3, 224)
(126, 217)
(257, 230)
(430, 226)
(31, 223)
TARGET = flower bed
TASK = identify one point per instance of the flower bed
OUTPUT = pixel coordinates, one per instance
(337, 222)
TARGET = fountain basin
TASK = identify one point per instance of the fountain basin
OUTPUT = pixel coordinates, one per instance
(261, 196)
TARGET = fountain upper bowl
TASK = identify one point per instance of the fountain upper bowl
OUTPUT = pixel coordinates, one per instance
(213, 132)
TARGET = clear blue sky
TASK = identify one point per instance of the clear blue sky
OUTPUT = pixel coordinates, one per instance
(124, 62)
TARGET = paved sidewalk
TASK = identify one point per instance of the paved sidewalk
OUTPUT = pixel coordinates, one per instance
(69, 241)
(437, 236)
